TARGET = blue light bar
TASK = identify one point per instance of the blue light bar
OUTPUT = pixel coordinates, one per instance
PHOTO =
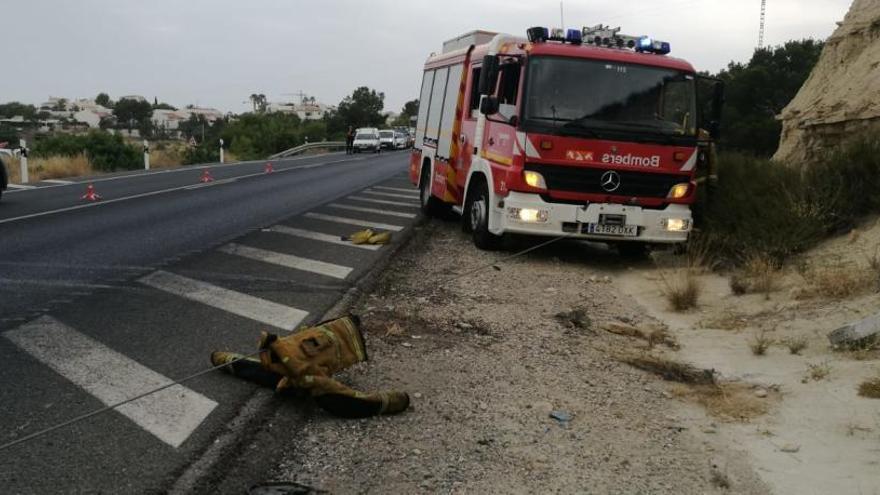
(574, 36)
(648, 45)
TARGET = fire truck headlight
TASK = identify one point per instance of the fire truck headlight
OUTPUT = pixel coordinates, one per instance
(679, 191)
(677, 224)
(528, 215)
(534, 179)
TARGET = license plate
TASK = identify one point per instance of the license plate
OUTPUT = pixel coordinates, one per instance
(616, 230)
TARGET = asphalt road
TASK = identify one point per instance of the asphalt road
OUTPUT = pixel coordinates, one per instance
(102, 301)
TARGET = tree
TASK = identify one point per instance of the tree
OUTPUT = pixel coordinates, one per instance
(103, 99)
(132, 113)
(756, 93)
(60, 105)
(15, 108)
(363, 108)
(410, 110)
(163, 106)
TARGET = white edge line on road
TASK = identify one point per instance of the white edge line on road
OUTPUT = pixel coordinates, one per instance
(171, 414)
(353, 221)
(319, 236)
(152, 193)
(183, 169)
(371, 210)
(57, 181)
(20, 187)
(390, 195)
(287, 260)
(383, 201)
(254, 308)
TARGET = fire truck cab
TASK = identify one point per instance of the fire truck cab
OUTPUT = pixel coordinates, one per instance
(585, 133)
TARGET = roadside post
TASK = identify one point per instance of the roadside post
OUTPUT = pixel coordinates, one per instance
(23, 160)
(146, 155)
(221, 150)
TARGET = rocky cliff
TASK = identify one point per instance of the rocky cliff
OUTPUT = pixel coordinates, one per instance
(841, 98)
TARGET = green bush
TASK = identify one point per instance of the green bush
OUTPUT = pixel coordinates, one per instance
(773, 209)
(107, 152)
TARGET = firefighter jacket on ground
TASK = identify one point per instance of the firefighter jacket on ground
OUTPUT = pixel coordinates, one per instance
(306, 360)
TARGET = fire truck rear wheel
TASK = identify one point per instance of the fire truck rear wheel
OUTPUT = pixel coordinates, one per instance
(477, 217)
(431, 206)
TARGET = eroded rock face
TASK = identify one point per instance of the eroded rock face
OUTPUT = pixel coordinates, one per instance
(841, 97)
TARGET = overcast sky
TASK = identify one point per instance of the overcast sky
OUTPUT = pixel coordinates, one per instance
(216, 53)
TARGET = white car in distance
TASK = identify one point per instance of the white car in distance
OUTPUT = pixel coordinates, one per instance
(367, 139)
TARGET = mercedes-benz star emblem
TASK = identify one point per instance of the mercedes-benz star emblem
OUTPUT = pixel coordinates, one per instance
(610, 181)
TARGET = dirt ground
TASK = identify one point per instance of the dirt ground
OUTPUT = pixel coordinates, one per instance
(822, 437)
(487, 363)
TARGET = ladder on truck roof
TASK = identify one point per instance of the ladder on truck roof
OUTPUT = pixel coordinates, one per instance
(602, 35)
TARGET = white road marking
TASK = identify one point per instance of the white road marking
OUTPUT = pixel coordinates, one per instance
(389, 195)
(151, 193)
(398, 189)
(23, 187)
(171, 414)
(372, 210)
(354, 221)
(213, 183)
(288, 260)
(383, 202)
(57, 181)
(268, 312)
(318, 236)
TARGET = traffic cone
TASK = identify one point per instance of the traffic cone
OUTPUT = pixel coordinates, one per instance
(269, 169)
(90, 194)
(206, 176)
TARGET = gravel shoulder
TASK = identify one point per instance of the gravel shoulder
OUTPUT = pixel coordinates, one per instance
(486, 362)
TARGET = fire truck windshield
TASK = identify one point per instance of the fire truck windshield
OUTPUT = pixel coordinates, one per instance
(604, 99)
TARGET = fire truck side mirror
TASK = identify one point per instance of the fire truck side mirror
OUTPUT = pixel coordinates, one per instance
(488, 75)
(489, 105)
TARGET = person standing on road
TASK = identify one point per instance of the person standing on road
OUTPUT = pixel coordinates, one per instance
(349, 141)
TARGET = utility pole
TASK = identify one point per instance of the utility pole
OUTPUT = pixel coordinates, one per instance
(761, 29)
(561, 17)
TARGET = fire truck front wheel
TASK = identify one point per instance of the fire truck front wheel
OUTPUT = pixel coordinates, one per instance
(476, 217)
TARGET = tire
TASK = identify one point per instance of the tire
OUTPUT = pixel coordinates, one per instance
(430, 206)
(633, 250)
(477, 216)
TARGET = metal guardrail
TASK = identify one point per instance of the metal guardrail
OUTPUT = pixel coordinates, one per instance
(308, 146)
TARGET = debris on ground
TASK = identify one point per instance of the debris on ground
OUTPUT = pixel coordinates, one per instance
(368, 236)
(576, 318)
(306, 360)
(670, 370)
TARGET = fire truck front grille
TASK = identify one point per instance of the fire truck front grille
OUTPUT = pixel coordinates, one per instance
(589, 180)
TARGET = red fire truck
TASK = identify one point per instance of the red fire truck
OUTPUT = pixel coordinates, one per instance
(587, 133)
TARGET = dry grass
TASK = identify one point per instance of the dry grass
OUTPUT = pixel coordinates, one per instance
(763, 273)
(840, 282)
(729, 401)
(796, 344)
(682, 289)
(817, 372)
(53, 167)
(760, 343)
(759, 274)
(870, 388)
(727, 320)
(165, 158)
